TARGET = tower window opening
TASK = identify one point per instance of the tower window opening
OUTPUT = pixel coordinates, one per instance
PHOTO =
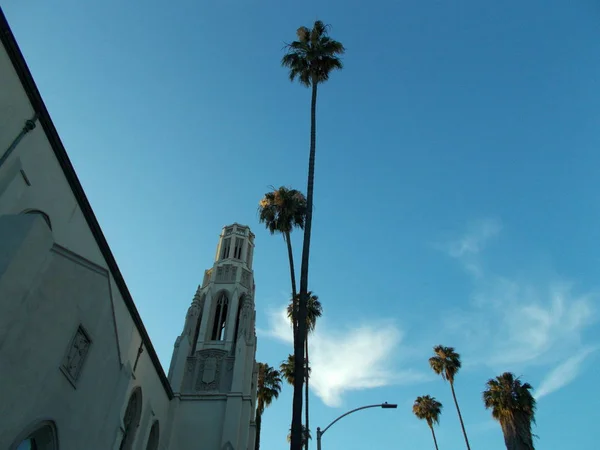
(237, 251)
(218, 332)
(226, 245)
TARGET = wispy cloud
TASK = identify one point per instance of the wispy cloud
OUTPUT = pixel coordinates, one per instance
(349, 359)
(513, 324)
(563, 374)
(467, 247)
(474, 240)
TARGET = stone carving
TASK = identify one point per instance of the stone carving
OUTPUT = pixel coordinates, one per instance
(207, 275)
(245, 329)
(76, 354)
(209, 371)
(245, 281)
(194, 312)
(191, 364)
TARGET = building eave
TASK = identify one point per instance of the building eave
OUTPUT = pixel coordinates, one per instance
(16, 57)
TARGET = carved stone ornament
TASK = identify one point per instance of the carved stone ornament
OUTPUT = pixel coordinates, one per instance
(245, 329)
(76, 354)
(209, 369)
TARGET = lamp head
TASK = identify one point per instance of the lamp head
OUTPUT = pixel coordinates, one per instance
(387, 405)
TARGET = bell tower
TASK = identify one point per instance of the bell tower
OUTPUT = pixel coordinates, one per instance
(213, 370)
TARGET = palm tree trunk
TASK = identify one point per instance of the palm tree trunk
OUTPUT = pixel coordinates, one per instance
(434, 439)
(306, 394)
(459, 415)
(258, 425)
(296, 442)
(293, 278)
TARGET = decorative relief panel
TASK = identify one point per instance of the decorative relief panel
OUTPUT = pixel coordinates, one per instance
(209, 369)
(246, 328)
(226, 274)
(76, 355)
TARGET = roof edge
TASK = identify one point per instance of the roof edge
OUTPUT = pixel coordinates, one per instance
(14, 52)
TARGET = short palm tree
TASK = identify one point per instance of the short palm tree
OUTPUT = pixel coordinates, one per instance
(268, 389)
(286, 369)
(314, 310)
(429, 409)
(310, 59)
(282, 210)
(514, 407)
(446, 362)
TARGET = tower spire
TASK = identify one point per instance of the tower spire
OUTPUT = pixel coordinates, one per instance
(215, 353)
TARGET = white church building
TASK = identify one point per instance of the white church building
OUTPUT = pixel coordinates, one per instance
(78, 370)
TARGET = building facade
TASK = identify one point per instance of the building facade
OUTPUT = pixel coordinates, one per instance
(77, 367)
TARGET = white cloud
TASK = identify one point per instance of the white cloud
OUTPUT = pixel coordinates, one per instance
(514, 324)
(351, 359)
(563, 374)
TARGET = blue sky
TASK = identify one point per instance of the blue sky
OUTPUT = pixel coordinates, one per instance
(456, 192)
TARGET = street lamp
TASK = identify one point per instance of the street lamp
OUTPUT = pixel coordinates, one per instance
(320, 433)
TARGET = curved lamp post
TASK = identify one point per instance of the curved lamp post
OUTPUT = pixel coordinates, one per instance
(320, 433)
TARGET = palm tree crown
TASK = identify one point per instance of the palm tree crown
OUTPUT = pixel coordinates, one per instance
(313, 56)
(427, 408)
(269, 386)
(514, 407)
(446, 362)
(286, 368)
(282, 210)
(314, 310)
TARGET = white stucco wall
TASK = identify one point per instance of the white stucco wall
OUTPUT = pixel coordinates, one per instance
(56, 294)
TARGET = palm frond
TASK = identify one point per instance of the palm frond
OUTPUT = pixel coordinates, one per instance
(268, 386)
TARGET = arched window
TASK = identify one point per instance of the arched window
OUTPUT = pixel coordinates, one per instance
(41, 213)
(154, 437)
(44, 437)
(197, 325)
(238, 318)
(131, 419)
(218, 332)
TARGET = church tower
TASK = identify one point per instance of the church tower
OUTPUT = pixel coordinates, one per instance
(213, 370)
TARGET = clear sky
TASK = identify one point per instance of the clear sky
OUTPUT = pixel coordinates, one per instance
(456, 191)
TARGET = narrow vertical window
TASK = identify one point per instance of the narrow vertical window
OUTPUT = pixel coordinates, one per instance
(226, 245)
(218, 332)
(237, 251)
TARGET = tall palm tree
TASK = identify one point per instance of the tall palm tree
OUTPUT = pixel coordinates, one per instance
(429, 409)
(310, 59)
(314, 310)
(282, 210)
(286, 369)
(269, 387)
(514, 407)
(446, 363)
